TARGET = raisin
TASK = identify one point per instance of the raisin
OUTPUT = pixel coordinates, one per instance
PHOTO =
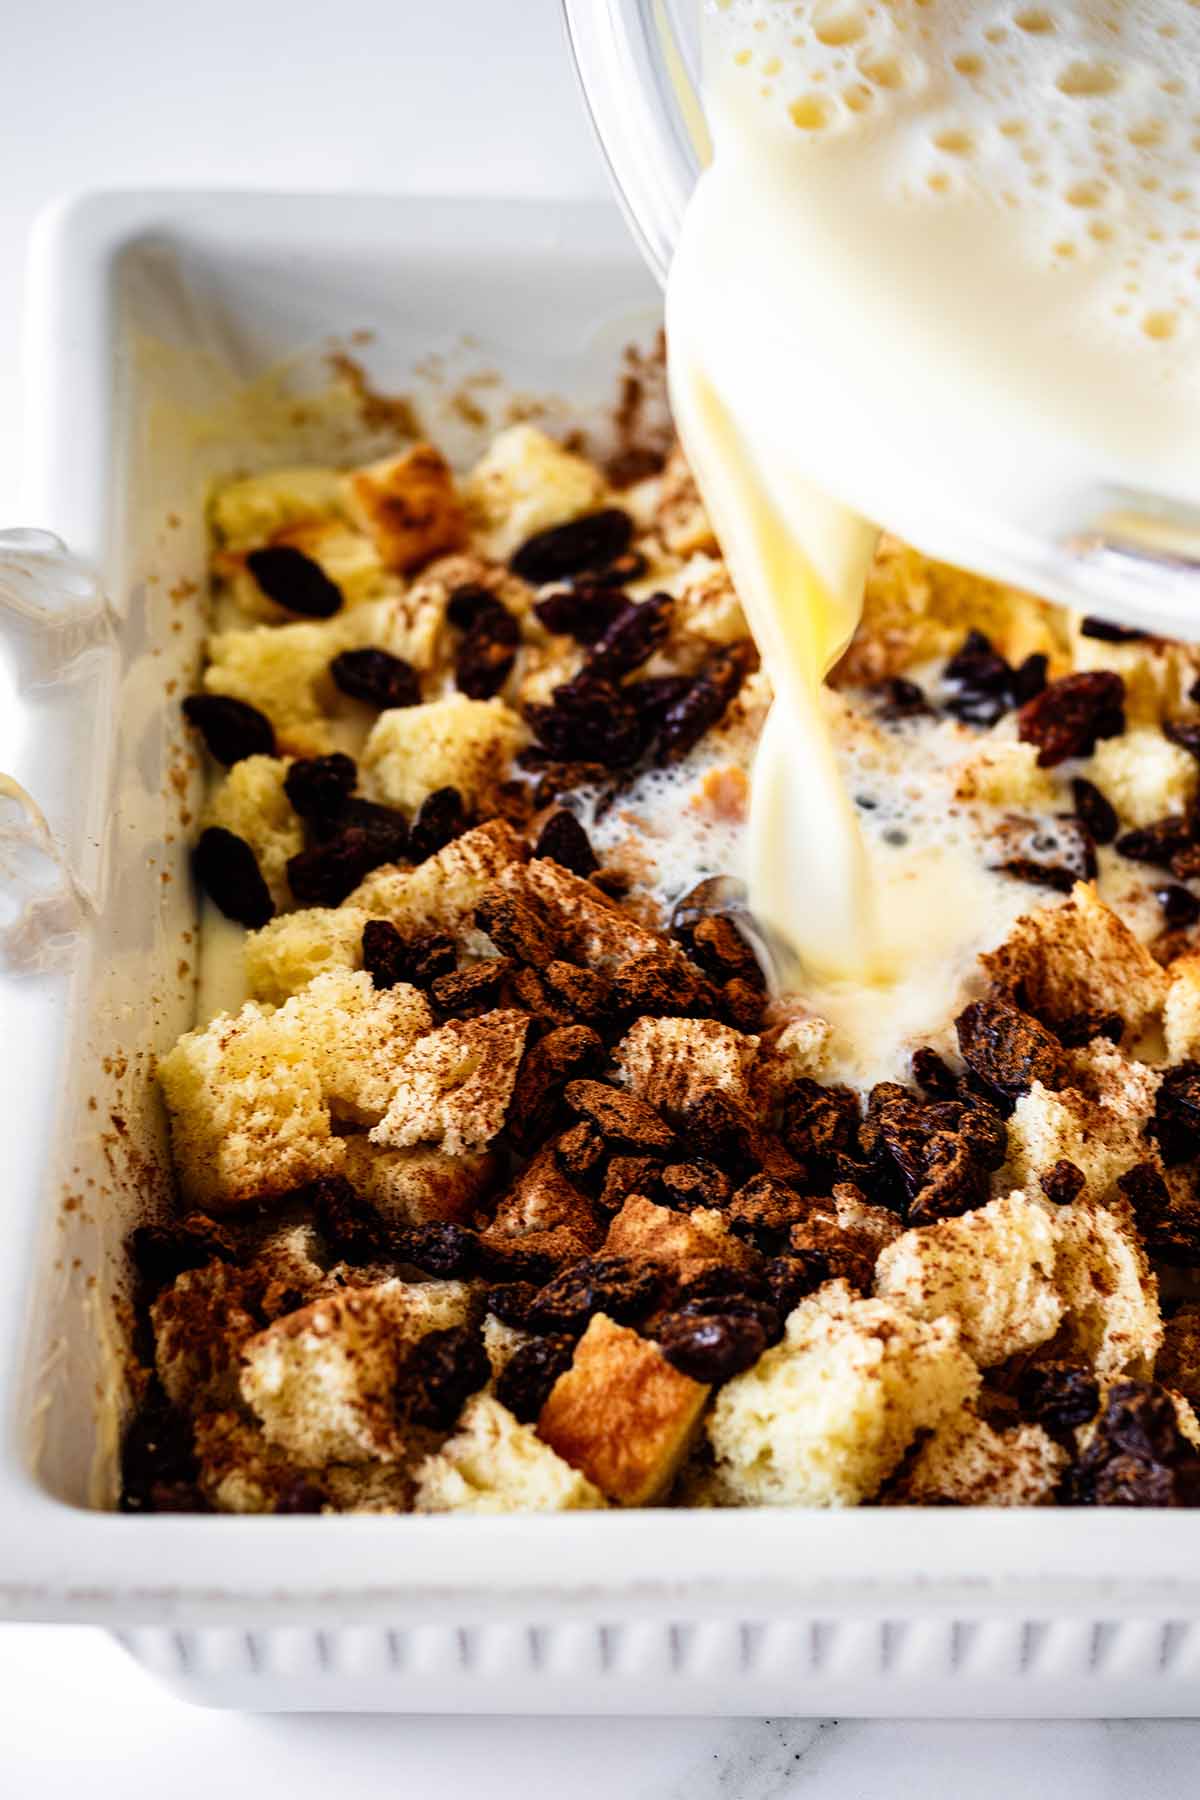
(983, 679)
(1107, 633)
(160, 1253)
(1078, 1029)
(231, 729)
(559, 778)
(326, 874)
(789, 1279)
(1137, 1455)
(1179, 905)
(820, 1125)
(715, 1127)
(350, 1225)
(934, 1075)
(563, 839)
(613, 1285)
(1070, 715)
(900, 699)
(632, 637)
(226, 868)
(1096, 812)
(1159, 842)
(1176, 1124)
(389, 959)
(376, 677)
(441, 817)
(1058, 1397)
(589, 720)
(719, 947)
(1029, 677)
(1186, 863)
(438, 1248)
(941, 1150)
(511, 1302)
(653, 697)
(300, 1495)
(470, 602)
(524, 1384)
(484, 659)
(443, 1370)
(583, 612)
(465, 993)
(295, 581)
(319, 786)
(832, 1252)
(1063, 1183)
(1169, 1223)
(1185, 733)
(1054, 854)
(763, 1212)
(705, 702)
(1007, 1048)
(711, 1347)
(592, 542)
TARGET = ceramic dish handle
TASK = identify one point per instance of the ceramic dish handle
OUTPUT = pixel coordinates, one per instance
(56, 653)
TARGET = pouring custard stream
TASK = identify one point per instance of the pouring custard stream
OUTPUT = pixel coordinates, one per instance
(941, 272)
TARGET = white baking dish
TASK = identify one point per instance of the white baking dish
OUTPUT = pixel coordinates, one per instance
(149, 315)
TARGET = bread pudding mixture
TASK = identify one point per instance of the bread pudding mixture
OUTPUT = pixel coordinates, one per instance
(515, 1174)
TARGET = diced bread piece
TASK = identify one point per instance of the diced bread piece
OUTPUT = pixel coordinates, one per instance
(453, 1087)
(1155, 675)
(249, 512)
(248, 1116)
(322, 1380)
(622, 1415)
(200, 1324)
(291, 951)
(456, 742)
(824, 1417)
(1079, 957)
(681, 1243)
(1144, 775)
(876, 1224)
(501, 1342)
(590, 928)
(283, 670)
(442, 892)
(967, 1463)
(494, 1464)
(408, 505)
(349, 559)
(681, 519)
(706, 604)
(1003, 772)
(525, 483)
(357, 1037)
(1181, 1013)
(241, 1471)
(1121, 1083)
(671, 1062)
(250, 801)
(1108, 1288)
(420, 1186)
(793, 1051)
(990, 1269)
(1070, 1126)
(542, 1202)
(288, 1261)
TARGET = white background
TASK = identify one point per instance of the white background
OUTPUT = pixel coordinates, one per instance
(392, 95)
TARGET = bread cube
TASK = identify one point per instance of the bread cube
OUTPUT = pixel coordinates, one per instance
(1181, 1012)
(248, 1115)
(493, 1464)
(622, 1415)
(442, 892)
(456, 742)
(453, 1087)
(1144, 775)
(681, 1243)
(321, 1381)
(241, 1471)
(991, 1270)
(248, 513)
(1107, 1288)
(201, 1323)
(525, 483)
(421, 1186)
(967, 1463)
(1079, 957)
(501, 1343)
(669, 1063)
(1149, 668)
(682, 522)
(1178, 1364)
(283, 670)
(408, 505)
(1069, 1125)
(251, 802)
(826, 1416)
(357, 1037)
(349, 559)
(1003, 772)
(542, 1210)
(291, 951)
(589, 927)
(707, 605)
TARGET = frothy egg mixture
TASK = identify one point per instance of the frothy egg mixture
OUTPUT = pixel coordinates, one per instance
(942, 272)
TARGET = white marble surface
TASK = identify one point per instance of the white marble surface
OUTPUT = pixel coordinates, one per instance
(467, 94)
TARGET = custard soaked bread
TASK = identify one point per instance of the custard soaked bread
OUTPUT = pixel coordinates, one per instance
(512, 1178)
